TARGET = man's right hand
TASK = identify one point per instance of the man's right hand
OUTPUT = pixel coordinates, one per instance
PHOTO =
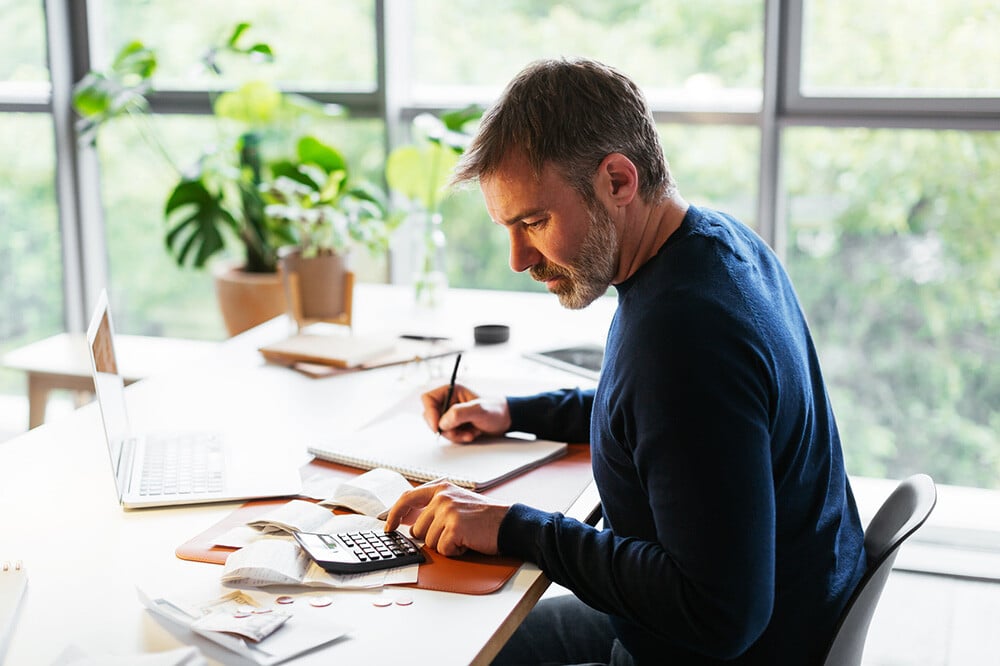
(468, 417)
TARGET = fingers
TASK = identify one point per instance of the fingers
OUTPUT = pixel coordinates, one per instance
(437, 528)
(461, 422)
(442, 537)
(454, 520)
(433, 402)
(433, 528)
(409, 505)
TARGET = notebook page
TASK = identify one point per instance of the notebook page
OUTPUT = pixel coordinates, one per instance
(402, 442)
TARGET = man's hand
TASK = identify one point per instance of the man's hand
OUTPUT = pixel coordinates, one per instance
(449, 519)
(468, 416)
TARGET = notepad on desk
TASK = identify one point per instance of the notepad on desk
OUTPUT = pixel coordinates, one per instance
(341, 351)
(403, 443)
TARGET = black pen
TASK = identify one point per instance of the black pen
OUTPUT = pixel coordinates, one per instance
(451, 389)
(424, 338)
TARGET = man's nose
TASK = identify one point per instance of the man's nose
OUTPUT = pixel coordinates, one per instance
(523, 254)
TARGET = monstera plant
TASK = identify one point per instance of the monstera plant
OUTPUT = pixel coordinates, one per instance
(218, 201)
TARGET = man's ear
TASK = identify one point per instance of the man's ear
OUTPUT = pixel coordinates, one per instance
(617, 180)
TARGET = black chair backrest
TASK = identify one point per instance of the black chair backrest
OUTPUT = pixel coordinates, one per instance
(902, 513)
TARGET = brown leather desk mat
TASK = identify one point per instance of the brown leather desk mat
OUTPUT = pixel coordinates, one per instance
(551, 487)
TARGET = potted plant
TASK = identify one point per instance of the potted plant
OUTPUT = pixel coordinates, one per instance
(217, 201)
(419, 173)
(328, 213)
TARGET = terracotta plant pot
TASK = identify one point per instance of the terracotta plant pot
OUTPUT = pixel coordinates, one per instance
(248, 299)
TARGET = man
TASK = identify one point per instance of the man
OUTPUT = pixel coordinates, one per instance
(731, 533)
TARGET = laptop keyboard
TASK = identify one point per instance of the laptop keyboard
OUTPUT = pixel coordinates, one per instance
(182, 464)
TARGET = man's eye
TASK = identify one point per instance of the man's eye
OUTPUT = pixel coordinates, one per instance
(535, 224)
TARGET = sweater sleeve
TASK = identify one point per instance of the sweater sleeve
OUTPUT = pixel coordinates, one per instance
(562, 415)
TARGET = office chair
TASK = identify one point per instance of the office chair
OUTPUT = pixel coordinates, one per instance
(902, 513)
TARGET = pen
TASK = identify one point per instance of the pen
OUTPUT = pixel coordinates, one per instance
(425, 338)
(451, 388)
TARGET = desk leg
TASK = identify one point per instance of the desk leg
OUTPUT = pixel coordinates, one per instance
(38, 398)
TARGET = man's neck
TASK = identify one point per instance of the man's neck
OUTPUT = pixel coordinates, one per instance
(646, 229)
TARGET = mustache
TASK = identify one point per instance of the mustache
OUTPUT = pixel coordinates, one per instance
(543, 272)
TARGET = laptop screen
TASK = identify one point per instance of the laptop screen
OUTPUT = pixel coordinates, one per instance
(110, 387)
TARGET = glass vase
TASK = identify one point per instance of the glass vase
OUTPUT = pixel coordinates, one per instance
(431, 279)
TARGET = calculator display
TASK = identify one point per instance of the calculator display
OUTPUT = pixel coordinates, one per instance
(358, 552)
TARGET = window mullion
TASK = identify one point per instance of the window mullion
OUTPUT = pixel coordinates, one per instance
(77, 181)
(777, 58)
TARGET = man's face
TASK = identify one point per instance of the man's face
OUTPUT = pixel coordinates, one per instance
(554, 234)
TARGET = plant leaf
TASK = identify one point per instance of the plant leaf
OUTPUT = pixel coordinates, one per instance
(313, 151)
(420, 174)
(238, 30)
(101, 96)
(134, 60)
(195, 219)
(457, 120)
(404, 172)
(254, 103)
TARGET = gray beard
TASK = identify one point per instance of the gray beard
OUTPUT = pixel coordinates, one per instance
(593, 269)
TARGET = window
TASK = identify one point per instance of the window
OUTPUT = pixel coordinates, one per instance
(142, 161)
(896, 48)
(894, 250)
(688, 57)
(31, 294)
(715, 166)
(22, 52)
(861, 140)
(682, 53)
(319, 45)
(151, 294)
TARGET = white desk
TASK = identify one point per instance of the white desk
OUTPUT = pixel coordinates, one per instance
(62, 362)
(85, 555)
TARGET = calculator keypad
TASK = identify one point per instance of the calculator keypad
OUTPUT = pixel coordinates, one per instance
(357, 552)
(373, 545)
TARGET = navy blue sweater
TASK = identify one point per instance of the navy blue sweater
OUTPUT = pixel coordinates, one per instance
(731, 530)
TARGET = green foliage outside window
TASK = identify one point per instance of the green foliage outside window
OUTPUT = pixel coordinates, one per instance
(894, 249)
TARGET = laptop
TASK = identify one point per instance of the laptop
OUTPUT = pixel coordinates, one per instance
(154, 469)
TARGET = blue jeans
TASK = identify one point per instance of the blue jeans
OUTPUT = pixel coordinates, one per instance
(563, 630)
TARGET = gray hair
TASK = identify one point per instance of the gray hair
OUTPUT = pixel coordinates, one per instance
(571, 113)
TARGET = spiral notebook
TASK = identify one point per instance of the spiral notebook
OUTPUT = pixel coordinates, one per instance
(13, 580)
(403, 443)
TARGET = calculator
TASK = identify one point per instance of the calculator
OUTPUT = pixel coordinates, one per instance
(358, 552)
